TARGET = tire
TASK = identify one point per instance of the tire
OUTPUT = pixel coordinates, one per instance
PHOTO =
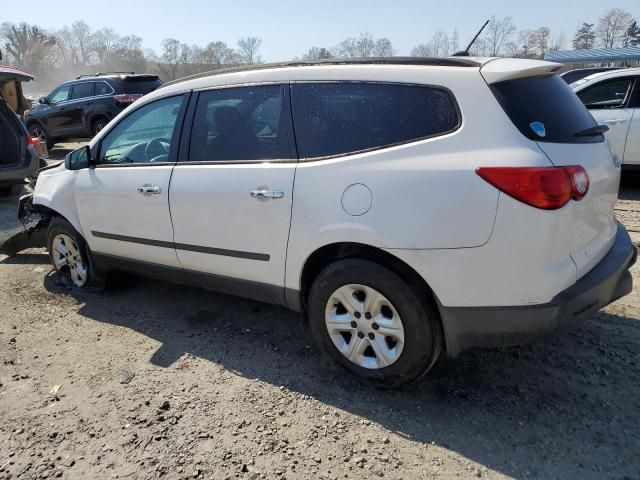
(98, 124)
(37, 130)
(77, 265)
(402, 356)
(6, 191)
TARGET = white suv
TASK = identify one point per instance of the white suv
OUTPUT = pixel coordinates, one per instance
(613, 98)
(408, 206)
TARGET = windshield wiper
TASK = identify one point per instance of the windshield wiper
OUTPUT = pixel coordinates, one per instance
(592, 131)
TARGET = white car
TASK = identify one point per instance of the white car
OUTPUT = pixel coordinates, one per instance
(409, 206)
(613, 98)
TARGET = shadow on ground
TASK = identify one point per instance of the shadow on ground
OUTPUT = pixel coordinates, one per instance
(564, 408)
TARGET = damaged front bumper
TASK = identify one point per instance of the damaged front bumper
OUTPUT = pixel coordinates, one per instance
(34, 233)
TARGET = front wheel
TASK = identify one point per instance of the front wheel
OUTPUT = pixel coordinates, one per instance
(71, 256)
(373, 323)
(39, 132)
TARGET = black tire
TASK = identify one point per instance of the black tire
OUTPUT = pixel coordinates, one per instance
(94, 279)
(6, 191)
(37, 130)
(422, 333)
(98, 124)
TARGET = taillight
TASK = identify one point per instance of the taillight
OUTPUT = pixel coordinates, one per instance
(548, 188)
(35, 143)
(127, 97)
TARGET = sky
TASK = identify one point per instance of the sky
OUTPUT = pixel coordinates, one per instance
(289, 27)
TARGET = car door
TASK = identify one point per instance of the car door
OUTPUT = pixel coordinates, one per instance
(57, 114)
(231, 190)
(123, 202)
(82, 96)
(608, 102)
(632, 148)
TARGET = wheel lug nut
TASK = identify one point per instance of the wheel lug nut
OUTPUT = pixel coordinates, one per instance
(354, 324)
(375, 326)
(372, 336)
(357, 314)
(367, 316)
(360, 335)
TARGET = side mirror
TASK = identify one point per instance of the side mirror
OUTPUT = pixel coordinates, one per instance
(78, 159)
(43, 100)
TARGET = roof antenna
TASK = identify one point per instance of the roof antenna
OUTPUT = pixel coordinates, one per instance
(465, 52)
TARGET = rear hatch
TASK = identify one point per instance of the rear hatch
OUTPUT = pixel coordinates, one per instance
(545, 110)
(12, 138)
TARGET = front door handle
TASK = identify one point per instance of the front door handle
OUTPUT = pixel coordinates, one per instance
(266, 194)
(615, 121)
(148, 188)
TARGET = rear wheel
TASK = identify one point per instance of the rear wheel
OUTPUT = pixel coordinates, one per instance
(38, 131)
(373, 323)
(71, 257)
(6, 191)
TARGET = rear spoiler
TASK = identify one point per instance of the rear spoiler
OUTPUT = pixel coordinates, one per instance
(501, 69)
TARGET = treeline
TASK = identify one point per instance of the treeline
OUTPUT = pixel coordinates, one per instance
(54, 56)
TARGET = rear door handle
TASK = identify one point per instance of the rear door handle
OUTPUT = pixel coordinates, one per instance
(615, 121)
(266, 194)
(148, 188)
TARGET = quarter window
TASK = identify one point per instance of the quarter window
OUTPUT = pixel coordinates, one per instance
(103, 88)
(339, 118)
(144, 136)
(82, 90)
(609, 94)
(242, 123)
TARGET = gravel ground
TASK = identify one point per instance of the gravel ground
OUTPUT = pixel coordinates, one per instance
(154, 380)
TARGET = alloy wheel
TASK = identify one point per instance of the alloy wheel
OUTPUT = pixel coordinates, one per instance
(364, 326)
(68, 258)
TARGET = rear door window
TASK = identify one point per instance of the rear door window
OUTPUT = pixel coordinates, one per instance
(82, 90)
(608, 94)
(545, 109)
(346, 117)
(242, 123)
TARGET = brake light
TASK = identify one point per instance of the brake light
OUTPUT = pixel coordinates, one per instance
(35, 143)
(127, 97)
(548, 188)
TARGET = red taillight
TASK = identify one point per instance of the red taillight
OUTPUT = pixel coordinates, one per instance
(548, 188)
(35, 143)
(127, 97)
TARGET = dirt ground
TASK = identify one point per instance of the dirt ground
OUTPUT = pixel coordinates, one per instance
(156, 380)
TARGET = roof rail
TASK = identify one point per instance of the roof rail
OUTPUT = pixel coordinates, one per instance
(424, 61)
(101, 74)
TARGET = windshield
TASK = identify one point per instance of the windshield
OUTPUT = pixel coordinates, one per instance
(545, 109)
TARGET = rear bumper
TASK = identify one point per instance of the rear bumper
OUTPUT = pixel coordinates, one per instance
(468, 327)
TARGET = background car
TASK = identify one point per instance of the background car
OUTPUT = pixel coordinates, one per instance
(82, 107)
(613, 98)
(580, 73)
(18, 157)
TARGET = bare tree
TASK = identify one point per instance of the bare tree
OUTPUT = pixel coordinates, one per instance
(538, 41)
(23, 41)
(383, 48)
(171, 55)
(81, 34)
(557, 42)
(498, 33)
(103, 43)
(612, 27)
(454, 41)
(422, 50)
(248, 49)
(347, 48)
(317, 53)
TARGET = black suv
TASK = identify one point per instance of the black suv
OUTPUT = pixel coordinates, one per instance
(82, 107)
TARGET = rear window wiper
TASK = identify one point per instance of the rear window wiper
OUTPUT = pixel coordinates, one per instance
(592, 131)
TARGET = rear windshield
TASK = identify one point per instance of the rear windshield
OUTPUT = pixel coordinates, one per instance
(545, 109)
(142, 85)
